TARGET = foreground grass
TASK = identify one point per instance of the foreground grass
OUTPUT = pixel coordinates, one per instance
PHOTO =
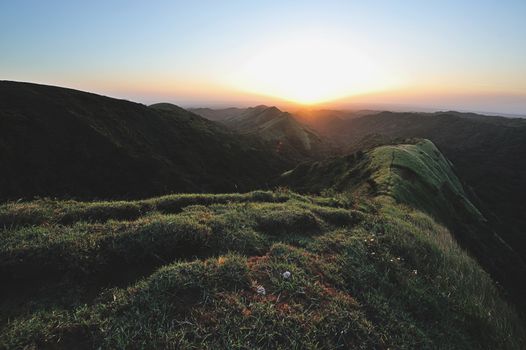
(210, 274)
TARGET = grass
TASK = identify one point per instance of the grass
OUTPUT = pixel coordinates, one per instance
(417, 174)
(363, 274)
(414, 173)
(102, 242)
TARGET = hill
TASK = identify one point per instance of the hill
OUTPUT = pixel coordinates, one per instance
(68, 143)
(323, 120)
(218, 114)
(418, 175)
(487, 152)
(258, 270)
(279, 129)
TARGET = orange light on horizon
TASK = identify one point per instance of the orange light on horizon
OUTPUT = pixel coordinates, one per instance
(311, 71)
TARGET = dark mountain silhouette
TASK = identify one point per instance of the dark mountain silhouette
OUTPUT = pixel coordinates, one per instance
(63, 142)
(218, 114)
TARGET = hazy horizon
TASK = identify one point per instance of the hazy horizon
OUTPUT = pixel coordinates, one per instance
(462, 55)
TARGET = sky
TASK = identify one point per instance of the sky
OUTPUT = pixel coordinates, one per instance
(463, 55)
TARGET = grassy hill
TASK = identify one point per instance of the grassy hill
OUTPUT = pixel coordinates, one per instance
(487, 152)
(209, 271)
(279, 129)
(418, 175)
(63, 142)
(218, 114)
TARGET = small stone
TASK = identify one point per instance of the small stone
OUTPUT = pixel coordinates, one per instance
(261, 290)
(415, 272)
(286, 275)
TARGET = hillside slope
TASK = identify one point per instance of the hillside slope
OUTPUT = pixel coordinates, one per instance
(280, 129)
(218, 114)
(418, 175)
(488, 154)
(259, 270)
(324, 120)
(62, 142)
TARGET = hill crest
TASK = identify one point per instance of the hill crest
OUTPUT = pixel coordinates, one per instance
(88, 146)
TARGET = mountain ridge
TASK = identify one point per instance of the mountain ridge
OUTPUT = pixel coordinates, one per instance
(280, 129)
(487, 153)
(415, 173)
(86, 145)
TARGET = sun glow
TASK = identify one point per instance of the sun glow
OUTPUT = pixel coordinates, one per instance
(312, 70)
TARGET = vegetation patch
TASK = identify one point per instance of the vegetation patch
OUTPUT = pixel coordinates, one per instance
(308, 272)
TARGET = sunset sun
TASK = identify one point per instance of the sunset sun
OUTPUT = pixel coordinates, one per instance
(311, 71)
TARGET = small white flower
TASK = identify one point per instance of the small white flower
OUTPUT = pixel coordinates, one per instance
(286, 275)
(261, 290)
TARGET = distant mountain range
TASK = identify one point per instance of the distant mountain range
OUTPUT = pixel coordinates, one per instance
(279, 129)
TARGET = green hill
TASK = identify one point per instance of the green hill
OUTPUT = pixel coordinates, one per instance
(418, 175)
(488, 154)
(279, 129)
(68, 143)
(218, 114)
(258, 270)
